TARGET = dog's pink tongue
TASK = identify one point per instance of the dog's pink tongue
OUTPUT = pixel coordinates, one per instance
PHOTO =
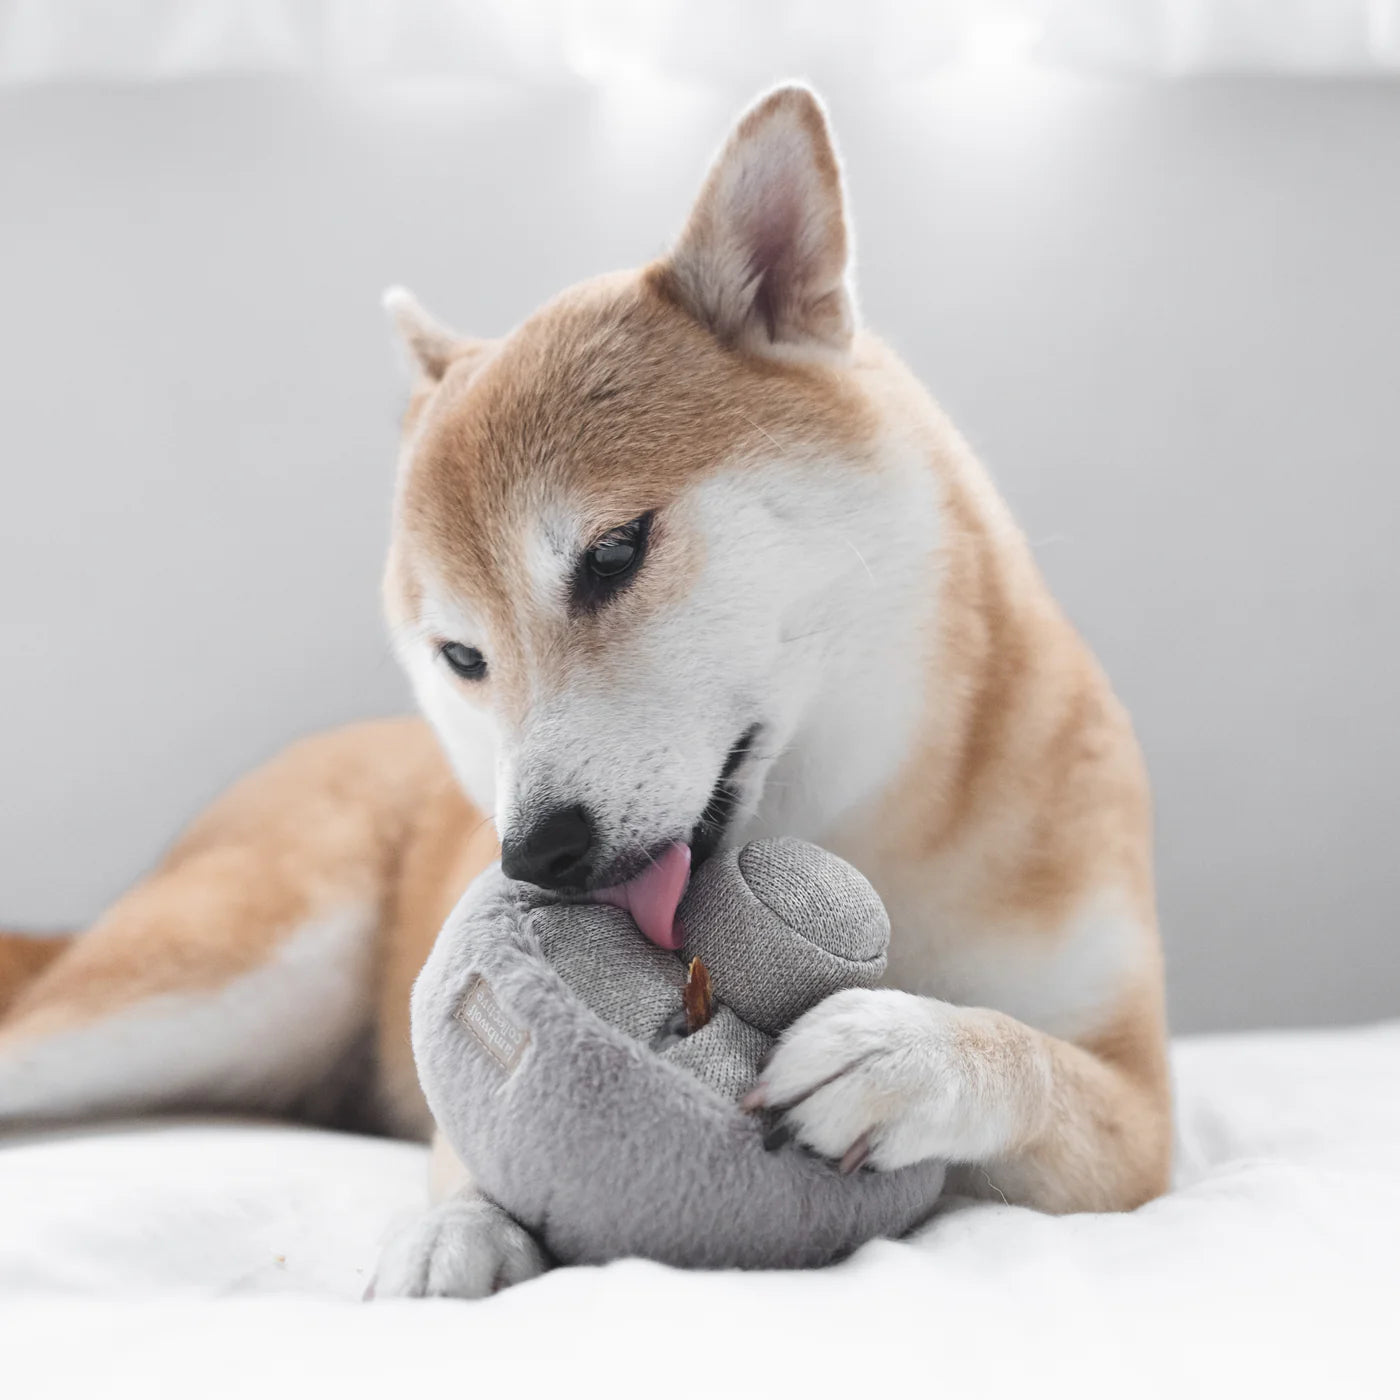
(651, 897)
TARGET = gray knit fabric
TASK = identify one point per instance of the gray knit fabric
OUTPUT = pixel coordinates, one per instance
(781, 925)
(545, 1041)
(725, 1054)
(630, 983)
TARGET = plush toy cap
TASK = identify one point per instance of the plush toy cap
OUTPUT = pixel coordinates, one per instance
(781, 925)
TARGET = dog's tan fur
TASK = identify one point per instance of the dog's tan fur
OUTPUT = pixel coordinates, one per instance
(1020, 803)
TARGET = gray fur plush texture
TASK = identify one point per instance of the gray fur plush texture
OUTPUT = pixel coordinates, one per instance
(545, 1040)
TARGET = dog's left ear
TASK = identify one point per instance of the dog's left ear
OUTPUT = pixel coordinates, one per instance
(764, 260)
(428, 345)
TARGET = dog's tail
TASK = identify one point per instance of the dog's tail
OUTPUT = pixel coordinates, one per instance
(23, 956)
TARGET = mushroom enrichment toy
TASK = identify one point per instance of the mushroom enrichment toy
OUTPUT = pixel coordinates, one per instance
(590, 1079)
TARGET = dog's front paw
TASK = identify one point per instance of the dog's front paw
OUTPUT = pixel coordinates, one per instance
(880, 1078)
(466, 1247)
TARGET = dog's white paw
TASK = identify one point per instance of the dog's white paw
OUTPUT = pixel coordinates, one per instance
(881, 1078)
(466, 1247)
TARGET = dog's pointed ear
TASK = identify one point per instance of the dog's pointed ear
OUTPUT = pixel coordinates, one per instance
(428, 346)
(764, 260)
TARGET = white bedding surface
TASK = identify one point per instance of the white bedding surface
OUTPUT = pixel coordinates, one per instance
(223, 1258)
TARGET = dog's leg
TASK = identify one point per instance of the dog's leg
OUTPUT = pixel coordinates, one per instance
(240, 973)
(23, 957)
(889, 1078)
(218, 983)
(464, 1246)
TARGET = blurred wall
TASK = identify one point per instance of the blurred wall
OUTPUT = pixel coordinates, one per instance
(1168, 315)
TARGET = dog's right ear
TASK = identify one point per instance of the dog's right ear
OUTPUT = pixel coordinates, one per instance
(428, 346)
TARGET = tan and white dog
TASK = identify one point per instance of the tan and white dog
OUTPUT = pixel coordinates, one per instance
(686, 558)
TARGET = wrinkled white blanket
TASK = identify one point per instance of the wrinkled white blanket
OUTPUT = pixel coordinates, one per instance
(224, 1258)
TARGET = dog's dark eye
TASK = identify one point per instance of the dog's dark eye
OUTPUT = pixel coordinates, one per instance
(619, 550)
(609, 563)
(613, 555)
(468, 662)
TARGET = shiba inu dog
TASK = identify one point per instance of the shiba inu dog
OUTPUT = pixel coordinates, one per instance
(685, 559)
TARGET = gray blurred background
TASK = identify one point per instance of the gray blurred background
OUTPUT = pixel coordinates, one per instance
(1154, 274)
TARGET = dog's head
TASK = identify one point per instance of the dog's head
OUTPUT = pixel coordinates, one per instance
(623, 532)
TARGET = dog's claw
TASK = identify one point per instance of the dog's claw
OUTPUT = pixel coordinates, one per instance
(779, 1135)
(754, 1100)
(855, 1155)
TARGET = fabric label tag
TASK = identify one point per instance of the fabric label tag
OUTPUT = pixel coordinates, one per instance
(500, 1037)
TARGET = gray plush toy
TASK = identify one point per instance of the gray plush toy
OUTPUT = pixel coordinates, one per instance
(551, 1045)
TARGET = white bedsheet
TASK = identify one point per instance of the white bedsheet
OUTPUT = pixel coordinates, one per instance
(219, 1258)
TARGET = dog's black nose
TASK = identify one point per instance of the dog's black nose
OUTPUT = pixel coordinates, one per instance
(554, 853)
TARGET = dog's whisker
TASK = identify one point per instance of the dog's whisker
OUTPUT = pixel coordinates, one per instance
(851, 546)
(753, 423)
